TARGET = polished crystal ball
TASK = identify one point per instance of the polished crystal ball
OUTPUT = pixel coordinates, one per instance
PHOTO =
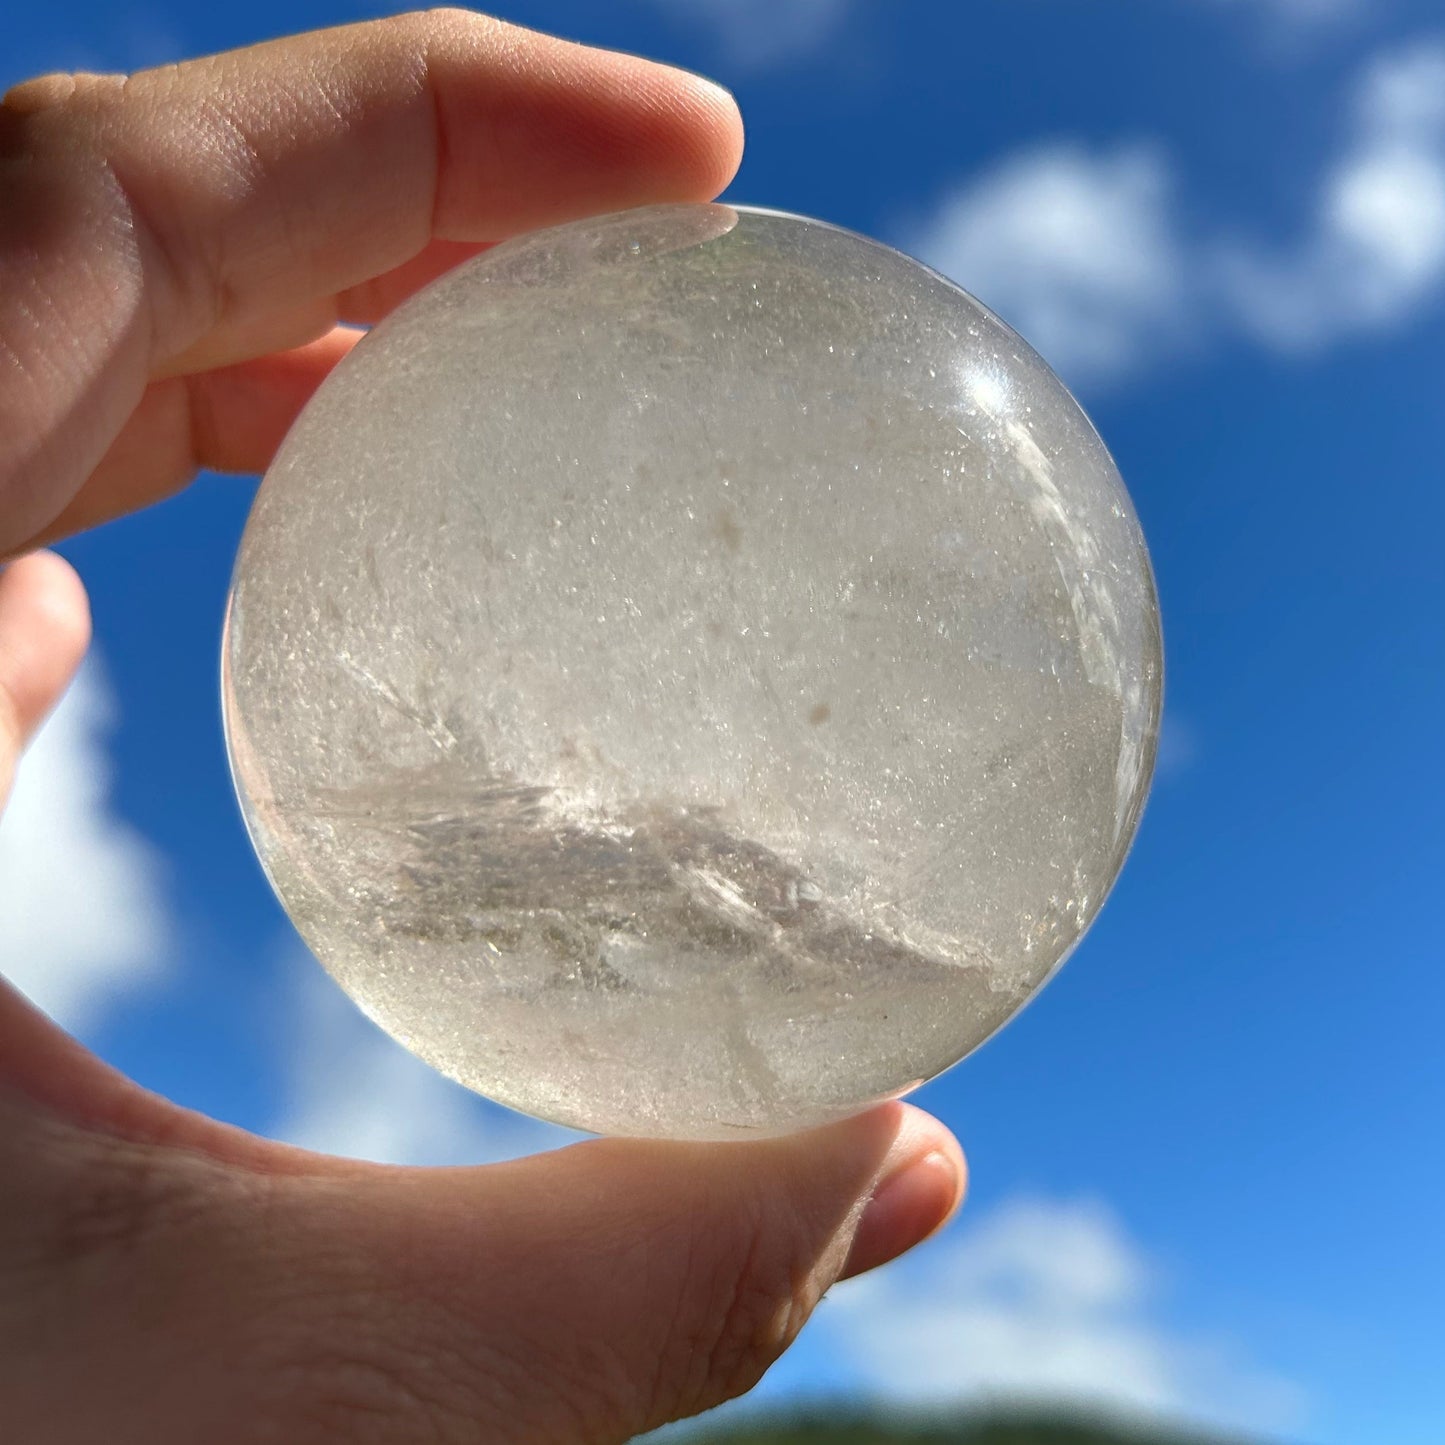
(692, 673)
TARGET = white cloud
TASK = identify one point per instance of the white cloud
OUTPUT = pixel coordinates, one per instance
(1376, 251)
(759, 33)
(1083, 251)
(83, 916)
(353, 1091)
(1075, 250)
(1042, 1301)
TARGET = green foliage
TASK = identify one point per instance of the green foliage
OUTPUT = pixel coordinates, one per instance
(842, 1429)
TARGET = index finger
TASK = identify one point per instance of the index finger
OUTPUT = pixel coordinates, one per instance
(138, 214)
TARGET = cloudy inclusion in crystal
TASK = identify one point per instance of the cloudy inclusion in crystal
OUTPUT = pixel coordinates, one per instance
(692, 673)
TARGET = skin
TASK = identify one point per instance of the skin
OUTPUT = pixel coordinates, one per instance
(181, 252)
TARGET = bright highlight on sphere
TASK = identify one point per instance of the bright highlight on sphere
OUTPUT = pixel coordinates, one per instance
(692, 672)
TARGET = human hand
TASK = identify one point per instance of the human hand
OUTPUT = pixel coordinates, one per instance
(176, 252)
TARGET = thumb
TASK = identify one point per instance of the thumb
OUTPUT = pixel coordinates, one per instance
(620, 1284)
(211, 1288)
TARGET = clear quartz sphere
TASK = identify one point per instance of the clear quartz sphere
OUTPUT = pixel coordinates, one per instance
(692, 673)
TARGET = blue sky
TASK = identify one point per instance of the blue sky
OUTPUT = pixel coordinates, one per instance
(1208, 1161)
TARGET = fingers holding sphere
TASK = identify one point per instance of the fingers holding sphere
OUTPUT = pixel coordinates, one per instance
(204, 214)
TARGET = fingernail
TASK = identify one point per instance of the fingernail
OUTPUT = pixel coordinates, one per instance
(905, 1209)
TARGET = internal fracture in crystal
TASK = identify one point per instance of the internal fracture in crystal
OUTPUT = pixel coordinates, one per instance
(692, 672)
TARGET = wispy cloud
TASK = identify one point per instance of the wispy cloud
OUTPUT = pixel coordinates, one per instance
(351, 1090)
(754, 34)
(83, 915)
(1043, 1301)
(1375, 252)
(1085, 253)
(1076, 250)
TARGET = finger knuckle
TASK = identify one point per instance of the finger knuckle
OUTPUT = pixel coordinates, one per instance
(60, 119)
(60, 92)
(445, 24)
(56, 192)
(460, 18)
(112, 1197)
(41, 93)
